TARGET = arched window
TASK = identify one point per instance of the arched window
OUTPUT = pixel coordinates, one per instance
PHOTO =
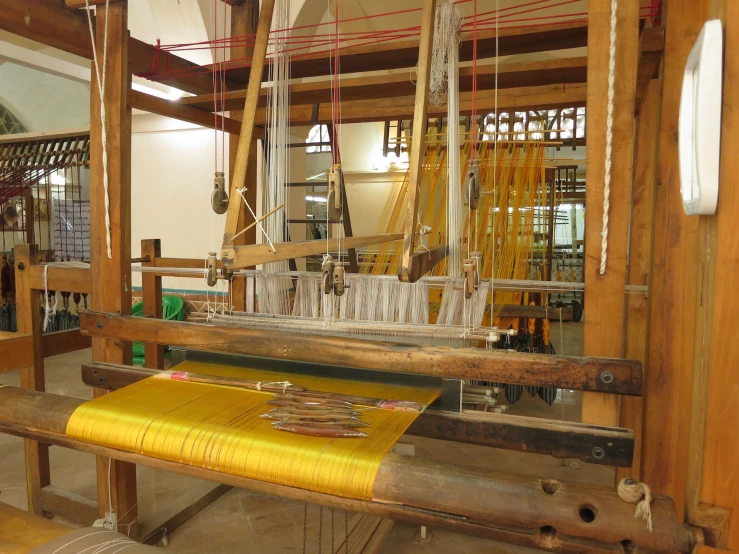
(9, 124)
(318, 136)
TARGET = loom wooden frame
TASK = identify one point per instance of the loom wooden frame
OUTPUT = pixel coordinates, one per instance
(688, 467)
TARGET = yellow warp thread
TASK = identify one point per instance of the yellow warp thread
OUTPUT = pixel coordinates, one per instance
(219, 428)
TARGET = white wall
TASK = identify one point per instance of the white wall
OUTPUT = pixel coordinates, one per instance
(172, 175)
(41, 101)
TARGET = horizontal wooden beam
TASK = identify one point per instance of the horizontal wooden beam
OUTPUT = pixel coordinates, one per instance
(178, 110)
(63, 342)
(538, 312)
(518, 509)
(66, 279)
(561, 71)
(70, 505)
(612, 446)
(590, 374)
(247, 255)
(588, 443)
(16, 351)
(75, 4)
(401, 107)
(402, 54)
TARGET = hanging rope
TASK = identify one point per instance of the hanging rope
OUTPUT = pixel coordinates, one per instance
(609, 138)
(104, 136)
(630, 490)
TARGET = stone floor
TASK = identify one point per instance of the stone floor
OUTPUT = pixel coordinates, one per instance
(245, 521)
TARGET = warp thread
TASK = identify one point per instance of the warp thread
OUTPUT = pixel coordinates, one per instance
(631, 490)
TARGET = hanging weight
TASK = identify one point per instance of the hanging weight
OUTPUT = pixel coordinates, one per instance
(211, 276)
(333, 199)
(219, 197)
(472, 181)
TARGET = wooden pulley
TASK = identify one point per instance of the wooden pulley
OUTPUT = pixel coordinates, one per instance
(339, 282)
(212, 276)
(328, 268)
(471, 272)
(219, 197)
(472, 184)
(334, 193)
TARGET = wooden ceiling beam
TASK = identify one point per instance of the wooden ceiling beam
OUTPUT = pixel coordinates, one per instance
(390, 109)
(401, 54)
(561, 71)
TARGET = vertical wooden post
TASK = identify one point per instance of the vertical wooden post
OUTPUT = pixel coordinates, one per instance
(604, 311)
(713, 477)
(30, 216)
(28, 310)
(640, 247)
(420, 122)
(152, 293)
(111, 277)
(244, 20)
(675, 280)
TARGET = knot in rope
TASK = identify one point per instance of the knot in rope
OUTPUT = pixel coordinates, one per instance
(632, 491)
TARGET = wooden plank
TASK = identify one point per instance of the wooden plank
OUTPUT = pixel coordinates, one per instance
(467, 363)
(151, 285)
(719, 486)
(563, 72)
(501, 505)
(604, 317)
(178, 110)
(28, 313)
(111, 276)
(16, 351)
(415, 163)
(67, 279)
(676, 276)
(241, 164)
(237, 257)
(561, 439)
(612, 446)
(166, 528)
(44, 135)
(640, 254)
(64, 342)
(70, 505)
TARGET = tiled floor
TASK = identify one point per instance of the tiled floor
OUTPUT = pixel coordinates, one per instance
(250, 522)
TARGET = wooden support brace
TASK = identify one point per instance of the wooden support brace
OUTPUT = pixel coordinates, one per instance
(414, 265)
(152, 293)
(241, 165)
(16, 351)
(28, 310)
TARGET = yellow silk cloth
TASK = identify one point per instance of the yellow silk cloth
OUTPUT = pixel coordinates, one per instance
(219, 428)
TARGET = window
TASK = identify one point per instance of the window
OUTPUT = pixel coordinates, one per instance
(318, 136)
(9, 124)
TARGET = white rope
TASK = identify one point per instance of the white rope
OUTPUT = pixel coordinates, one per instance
(256, 219)
(630, 490)
(104, 136)
(609, 138)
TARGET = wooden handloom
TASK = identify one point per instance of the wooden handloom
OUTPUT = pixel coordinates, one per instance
(520, 510)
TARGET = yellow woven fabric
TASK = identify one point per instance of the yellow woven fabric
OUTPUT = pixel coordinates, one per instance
(219, 428)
